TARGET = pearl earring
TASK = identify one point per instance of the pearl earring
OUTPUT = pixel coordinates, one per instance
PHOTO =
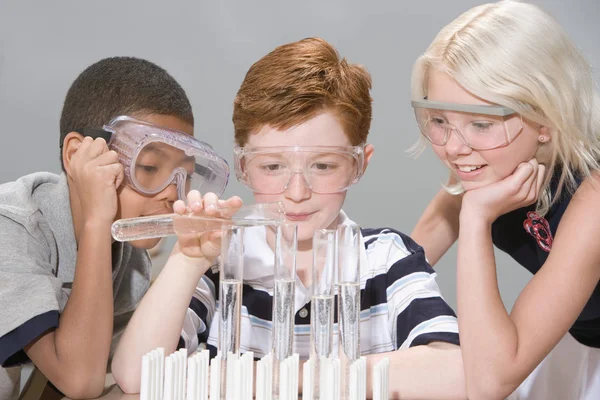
(542, 139)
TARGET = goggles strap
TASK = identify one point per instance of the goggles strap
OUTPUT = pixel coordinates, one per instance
(96, 133)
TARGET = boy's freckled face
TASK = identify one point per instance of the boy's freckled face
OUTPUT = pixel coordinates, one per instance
(134, 204)
(311, 211)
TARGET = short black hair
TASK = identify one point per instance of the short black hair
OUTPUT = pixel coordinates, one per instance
(121, 86)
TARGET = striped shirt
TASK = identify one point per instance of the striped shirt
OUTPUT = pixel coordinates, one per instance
(401, 304)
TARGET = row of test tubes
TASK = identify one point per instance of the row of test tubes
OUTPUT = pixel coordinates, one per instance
(329, 374)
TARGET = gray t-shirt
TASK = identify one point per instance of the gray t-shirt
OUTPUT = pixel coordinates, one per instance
(37, 267)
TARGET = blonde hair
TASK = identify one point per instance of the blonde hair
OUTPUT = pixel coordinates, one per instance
(516, 55)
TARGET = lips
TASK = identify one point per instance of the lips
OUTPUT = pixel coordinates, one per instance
(468, 168)
(298, 216)
(467, 172)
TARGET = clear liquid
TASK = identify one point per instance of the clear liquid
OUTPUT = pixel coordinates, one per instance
(322, 325)
(230, 300)
(349, 325)
(283, 326)
(349, 315)
(283, 318)
(321, 336)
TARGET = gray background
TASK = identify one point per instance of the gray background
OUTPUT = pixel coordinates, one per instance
(208, 46)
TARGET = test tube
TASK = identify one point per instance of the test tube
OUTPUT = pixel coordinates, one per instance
(348, 250)
(230, 295)
(157, 226)
(322, 302)
(283, 298)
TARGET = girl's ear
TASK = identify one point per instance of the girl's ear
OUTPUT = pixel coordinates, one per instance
(544, 134)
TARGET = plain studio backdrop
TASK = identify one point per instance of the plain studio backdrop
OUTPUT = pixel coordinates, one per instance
(208, 47)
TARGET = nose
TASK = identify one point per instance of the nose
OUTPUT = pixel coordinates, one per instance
(297, 188)
(455, 146)
(170, 194)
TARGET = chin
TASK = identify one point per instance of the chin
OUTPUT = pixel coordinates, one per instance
(468, 186)
(145, 243)
(472, 185)
(305, 233)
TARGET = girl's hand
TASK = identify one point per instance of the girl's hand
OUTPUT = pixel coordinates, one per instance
(518, 190)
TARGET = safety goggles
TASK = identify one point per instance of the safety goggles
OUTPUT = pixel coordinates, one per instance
(481, 127)
(154, 157)
(323, 169)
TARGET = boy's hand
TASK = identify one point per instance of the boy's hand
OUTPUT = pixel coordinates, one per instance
(206, 245)
(96, 173)
(519, 189)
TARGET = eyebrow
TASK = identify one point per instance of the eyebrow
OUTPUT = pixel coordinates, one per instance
(306, 156)
(153, 148)
(157, 150)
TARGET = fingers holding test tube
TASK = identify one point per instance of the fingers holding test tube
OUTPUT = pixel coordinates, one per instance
(203, 243)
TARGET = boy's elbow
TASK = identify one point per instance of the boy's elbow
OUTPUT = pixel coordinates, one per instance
(129, 383)
(82, 392)
(128, 386)
(83, 386)
(488, 388)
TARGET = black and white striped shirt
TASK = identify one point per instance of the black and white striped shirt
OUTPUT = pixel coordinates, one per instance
(401, 304)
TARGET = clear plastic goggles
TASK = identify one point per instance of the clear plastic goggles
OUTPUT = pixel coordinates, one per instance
(323, 169)
(154, 157)
(481, 127)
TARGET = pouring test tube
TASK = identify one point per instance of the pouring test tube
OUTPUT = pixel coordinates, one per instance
(157, 226)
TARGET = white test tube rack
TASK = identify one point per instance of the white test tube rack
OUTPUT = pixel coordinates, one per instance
(179, 377)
